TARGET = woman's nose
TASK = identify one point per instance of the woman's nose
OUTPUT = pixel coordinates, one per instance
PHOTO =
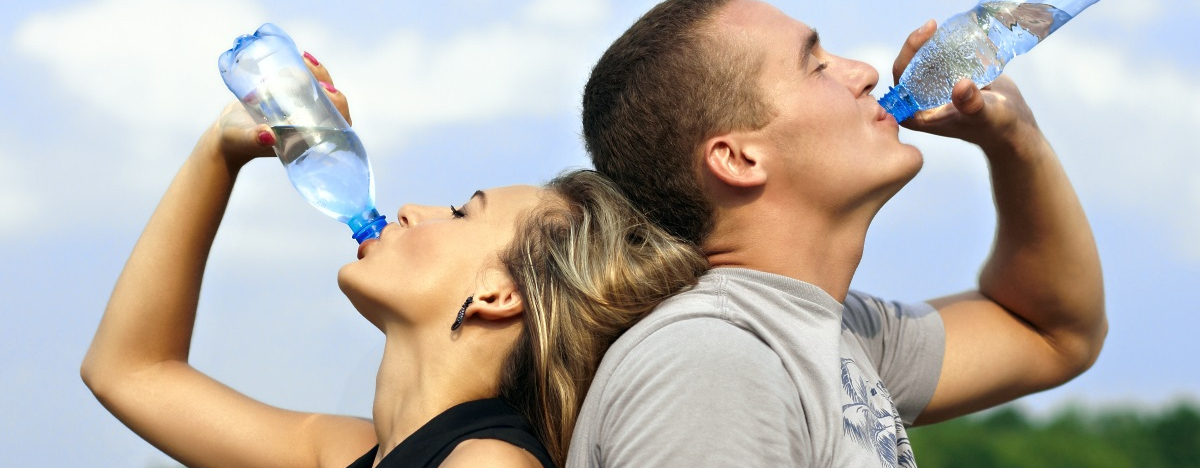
(412, 215)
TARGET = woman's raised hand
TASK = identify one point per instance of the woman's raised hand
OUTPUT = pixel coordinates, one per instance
(239, 139)
(137, 365)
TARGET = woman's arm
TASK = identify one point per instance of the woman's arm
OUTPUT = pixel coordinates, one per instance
(137, 365)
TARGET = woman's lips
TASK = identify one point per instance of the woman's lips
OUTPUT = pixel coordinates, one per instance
(362, 248)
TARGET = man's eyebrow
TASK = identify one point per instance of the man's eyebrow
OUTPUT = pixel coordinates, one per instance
(806, 51)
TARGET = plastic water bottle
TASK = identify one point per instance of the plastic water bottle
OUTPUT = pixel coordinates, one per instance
(975, 44)
(324, 158)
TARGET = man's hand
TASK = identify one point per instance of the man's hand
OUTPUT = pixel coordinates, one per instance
(993, 117)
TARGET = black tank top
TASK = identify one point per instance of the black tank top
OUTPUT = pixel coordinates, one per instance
(479, 419)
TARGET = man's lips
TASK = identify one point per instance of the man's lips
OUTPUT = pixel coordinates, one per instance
(882, 114)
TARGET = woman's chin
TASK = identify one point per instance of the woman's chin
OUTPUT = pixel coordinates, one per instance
(349, 281)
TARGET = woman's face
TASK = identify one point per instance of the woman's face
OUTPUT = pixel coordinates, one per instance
(432, 258)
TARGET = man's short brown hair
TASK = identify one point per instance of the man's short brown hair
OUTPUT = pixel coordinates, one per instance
(657, 93)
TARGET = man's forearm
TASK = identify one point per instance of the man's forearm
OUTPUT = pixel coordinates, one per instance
(1044, 266)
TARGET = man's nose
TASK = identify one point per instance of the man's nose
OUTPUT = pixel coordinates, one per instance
(860, 77)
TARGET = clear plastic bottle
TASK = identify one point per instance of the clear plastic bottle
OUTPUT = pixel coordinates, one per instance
(324, 158)
(975, 44)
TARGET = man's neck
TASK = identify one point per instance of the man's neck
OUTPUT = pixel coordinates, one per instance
(808, 249)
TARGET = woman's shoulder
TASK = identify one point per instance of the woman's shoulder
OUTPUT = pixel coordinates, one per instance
(490, 453)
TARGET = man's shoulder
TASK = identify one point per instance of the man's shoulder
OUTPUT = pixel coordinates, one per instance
(695, 351)
(681, 391)
(719, 321)
(698, 340)
(679, 327)
(701, 304)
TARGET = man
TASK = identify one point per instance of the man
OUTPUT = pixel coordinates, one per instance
(729, 124)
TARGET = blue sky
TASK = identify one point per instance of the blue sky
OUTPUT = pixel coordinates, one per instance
(104, 99)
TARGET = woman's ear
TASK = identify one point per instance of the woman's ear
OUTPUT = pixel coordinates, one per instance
(733, 161)
(497, 299)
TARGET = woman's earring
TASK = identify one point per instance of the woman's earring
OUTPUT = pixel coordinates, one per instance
(462, 313)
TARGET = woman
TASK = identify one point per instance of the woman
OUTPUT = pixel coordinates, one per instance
(496, 315)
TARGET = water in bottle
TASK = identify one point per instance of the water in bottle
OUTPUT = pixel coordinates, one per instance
(327, 167)
(976, 44)
(324, 157)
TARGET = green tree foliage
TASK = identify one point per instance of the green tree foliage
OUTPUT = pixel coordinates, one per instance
(1074, 437)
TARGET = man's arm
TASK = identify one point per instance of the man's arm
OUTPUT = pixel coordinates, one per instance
(1037, 319)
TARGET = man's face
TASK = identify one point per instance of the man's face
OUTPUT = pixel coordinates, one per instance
(829, 140)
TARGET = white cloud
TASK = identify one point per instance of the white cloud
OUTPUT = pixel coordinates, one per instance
(1131, 124)
(148, 63)
(19, 203)
(1128, 13)
(566, 13)
(534, 66)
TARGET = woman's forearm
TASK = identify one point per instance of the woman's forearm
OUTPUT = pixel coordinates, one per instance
(150, 315)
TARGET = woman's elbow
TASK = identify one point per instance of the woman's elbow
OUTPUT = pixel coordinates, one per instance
(94, 375)
(102, 376)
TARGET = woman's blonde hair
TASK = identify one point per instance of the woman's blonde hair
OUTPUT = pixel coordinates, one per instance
(589, 266)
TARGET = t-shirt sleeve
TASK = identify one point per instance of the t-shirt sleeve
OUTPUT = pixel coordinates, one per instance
(701, 392)
(906, 342)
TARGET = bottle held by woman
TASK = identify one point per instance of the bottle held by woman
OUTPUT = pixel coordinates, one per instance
(324, 157)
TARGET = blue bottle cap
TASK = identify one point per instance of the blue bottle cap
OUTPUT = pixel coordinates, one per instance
(371, 230)
(899, 103)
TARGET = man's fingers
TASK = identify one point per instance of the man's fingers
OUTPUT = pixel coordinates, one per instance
(911, 45)
(967, 97)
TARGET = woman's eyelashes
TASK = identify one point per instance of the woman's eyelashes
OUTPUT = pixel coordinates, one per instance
(457, 213)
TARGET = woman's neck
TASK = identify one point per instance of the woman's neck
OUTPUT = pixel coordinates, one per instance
(418, 380)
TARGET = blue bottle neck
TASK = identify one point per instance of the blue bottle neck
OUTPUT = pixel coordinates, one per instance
(367, 225)
(899, 102)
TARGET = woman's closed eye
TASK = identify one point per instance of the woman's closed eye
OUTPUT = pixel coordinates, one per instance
(457, 213)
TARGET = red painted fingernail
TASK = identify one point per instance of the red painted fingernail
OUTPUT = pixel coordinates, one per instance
(266, 138)
(312, 59)
(328, 87)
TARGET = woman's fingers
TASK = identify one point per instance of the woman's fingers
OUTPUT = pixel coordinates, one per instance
(242, 139)
(322, 75)
(318, 70)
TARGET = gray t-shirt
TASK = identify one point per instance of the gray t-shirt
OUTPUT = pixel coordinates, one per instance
(755, 369)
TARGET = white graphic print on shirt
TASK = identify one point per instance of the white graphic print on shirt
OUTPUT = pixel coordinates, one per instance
(870, 418)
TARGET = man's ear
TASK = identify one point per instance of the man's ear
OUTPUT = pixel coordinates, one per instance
(497, 298)
(734, 162)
